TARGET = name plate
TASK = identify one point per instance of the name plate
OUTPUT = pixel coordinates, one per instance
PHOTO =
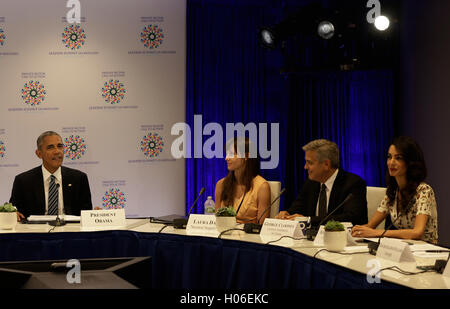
(446, 272)
(103, 219)
(318, 241)
(274, 229)
(202, 225)
(394, 250)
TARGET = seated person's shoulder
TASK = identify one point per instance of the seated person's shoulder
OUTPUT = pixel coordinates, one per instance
(355, 178)
(425, 188)
(220, 182)
(29, 172)
(260, 179)
(72, 171)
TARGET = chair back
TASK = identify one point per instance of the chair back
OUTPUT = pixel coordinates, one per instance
(374, 196)
(275, 188)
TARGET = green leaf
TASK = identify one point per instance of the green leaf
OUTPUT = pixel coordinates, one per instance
(7, 207)
(226, 212)
(334, 226)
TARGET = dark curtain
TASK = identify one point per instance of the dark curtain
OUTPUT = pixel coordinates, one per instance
(232, 79)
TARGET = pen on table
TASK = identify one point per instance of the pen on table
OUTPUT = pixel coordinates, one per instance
(437, 251)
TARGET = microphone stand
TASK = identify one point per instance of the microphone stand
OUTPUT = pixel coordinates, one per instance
(312, 231)
(255, 228)
(58, 222)
(181, 223)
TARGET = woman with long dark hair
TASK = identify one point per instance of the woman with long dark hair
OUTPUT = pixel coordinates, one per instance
(243, 188)
(409, 200)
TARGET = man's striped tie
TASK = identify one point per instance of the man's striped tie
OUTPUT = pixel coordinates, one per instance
(53, 197)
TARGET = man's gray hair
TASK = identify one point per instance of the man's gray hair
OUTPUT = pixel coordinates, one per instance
(40, 139)
(324, 150)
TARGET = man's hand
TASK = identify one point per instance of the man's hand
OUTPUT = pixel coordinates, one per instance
(292, 217)
(284, 215)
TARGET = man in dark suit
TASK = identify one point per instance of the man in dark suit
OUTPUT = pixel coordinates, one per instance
(327, 187)
(51, 188)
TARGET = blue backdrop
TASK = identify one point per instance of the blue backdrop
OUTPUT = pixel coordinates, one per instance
(231, 79)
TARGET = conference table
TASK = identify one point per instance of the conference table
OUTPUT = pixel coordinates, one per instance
(235, 261)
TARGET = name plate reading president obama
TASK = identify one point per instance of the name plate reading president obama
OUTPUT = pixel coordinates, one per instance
(103, 219)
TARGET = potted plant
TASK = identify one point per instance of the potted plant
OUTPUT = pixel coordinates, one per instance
(8, 216)
(225, 218)
(335, 237)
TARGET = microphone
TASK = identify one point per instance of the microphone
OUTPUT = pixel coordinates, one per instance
(181, 223)
(58, 221)
(255, 228)
(312, 231)
(373, 246)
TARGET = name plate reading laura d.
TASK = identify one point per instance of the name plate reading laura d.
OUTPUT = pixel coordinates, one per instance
(103, 219)
(202, 225)
(274, 229)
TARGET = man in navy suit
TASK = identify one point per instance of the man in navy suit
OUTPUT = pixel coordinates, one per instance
(327, 187)
(31, 189)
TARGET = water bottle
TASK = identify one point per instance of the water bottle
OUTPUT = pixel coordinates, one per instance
(210, 208)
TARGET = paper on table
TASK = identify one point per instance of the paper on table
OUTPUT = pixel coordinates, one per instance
(423, 247)
(356, 249)
(67, 218)
(420, 251)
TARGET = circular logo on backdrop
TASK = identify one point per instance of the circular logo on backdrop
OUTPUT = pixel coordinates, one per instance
(152, 36)
(74, 147)
(2, 149)
(152, 145)
(2, 37)
(73, 37)
(113, 91)
(114, 199)
(33, 93)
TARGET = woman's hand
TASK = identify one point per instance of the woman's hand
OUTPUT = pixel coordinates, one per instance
(19, 216)
(365, 231)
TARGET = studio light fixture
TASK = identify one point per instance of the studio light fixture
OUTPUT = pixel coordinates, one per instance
(310, 21)
(267, 37)
(382, 23)
(325, 30)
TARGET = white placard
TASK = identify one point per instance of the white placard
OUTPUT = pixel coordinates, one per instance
(318, 241)
(103, 219)
(446, 272)
(348, 226)
(303, 222)
(350, 240)
(202, 225)
(394, 250)
(275, 228)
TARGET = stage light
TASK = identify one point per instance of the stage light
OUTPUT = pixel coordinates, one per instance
(382, 23)
(325, 30)
(268, 37)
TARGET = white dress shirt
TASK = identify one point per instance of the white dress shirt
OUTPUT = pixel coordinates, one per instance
(329, 184)
(58, 180)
